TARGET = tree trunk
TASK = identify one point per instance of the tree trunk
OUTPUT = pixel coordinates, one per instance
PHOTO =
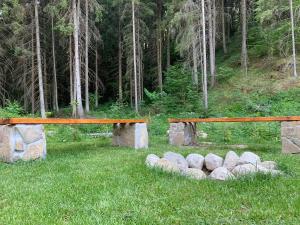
(244, 55)
(195, 64)
(39, 61)
(76, 10)
(134, 58)
(211, 43)
(87, 101)
(32, 72)
(55, 93)
(120, 61)
(45, 81)
(293, 40)
(96, 80)
(223, 27)
(205, 94)
(168, 49)
(159, 45)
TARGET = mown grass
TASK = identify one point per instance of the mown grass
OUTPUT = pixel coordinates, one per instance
(90, 182)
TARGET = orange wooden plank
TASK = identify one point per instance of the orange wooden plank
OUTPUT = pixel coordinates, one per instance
(13, 121)
(235, 120)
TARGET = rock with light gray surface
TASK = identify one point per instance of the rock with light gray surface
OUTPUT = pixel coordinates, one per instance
(249, 158)
(177, 159)
(182, 134)
(245, 169)
(22, 142)
(271, 165)
(213, 161)
(152, 160)
(222, 174)
(231, 160)
(193, 173)
(290, 137)
(195, 161)
(167, 166)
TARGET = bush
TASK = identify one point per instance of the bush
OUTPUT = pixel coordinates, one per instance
(12, 109)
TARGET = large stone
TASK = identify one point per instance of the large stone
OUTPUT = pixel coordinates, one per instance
(290, 137)
(249, 158)
(177, 159)
(273, 172)
(194, 173)
(152, 160)
(213, 161)
(270, 165)
(19, 143)
(195, 161)
(182, 134)
(222, 174)
(231, 160)
(244, 169)
(167, 166)
(131, 135)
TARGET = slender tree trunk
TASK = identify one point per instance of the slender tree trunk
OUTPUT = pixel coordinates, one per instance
(195, 64)
(134, 58)
(97, 81)
(79, 107)
(120, 61)
(32, 73)
(55, 93)
(87, 101)
(168, 49)
(45, 81)
(159, 45)
(244, 55)
(39, 61)
(211, 43)
(293, 40)
(205, 94)
(223, 27)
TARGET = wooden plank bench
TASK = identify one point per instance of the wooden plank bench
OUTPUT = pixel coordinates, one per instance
(24, 138)
(182, 132)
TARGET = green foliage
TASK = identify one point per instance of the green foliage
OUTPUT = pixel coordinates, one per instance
(12, 109)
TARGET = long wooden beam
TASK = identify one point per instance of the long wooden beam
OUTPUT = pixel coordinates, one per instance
(236, 120)
(14, 121)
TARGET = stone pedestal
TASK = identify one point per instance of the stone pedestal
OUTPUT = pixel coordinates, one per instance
(182, 134)
(290, 137)
(22, 142)
(131, 135)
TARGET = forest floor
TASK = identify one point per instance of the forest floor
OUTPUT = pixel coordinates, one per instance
(90, 182)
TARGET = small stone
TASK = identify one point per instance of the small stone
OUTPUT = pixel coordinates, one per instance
(271, 165)
(195, 161)
(194, 173)
(244, 169)
(151, 160)
(222, 174)
(249, 158)
(177, 159)
(167, 166)
(231, 160)
(213, 161)
(272, 172)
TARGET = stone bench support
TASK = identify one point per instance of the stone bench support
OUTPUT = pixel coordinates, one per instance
(290, 137)
(131, 135)
(182, 134)
(22, 142)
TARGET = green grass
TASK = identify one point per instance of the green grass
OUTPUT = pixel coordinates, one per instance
(90, 182)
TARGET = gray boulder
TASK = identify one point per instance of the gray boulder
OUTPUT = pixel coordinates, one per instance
(271, 165)
(249, 158)
(231, 160)
(193, 173)
(195, 161)
(167, 166)
(273, 172)
(222, 174)
(244, 169)
(151, 160)
(177, 159)
(213, 161)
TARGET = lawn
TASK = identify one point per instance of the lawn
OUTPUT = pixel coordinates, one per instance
(90, 182)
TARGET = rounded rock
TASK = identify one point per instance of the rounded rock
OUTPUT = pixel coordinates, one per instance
(195, 161)
(222, 174)
(231, 160)
(271, 165)
(249, 158)
(244, 169)
(177, 159)
(213, 161)
(151, 160)
(193, 173)
(167, 166)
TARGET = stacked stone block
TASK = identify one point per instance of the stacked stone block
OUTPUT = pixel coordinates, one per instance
(290, 136)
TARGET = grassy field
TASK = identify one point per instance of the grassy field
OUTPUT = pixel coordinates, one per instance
(90, 182)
